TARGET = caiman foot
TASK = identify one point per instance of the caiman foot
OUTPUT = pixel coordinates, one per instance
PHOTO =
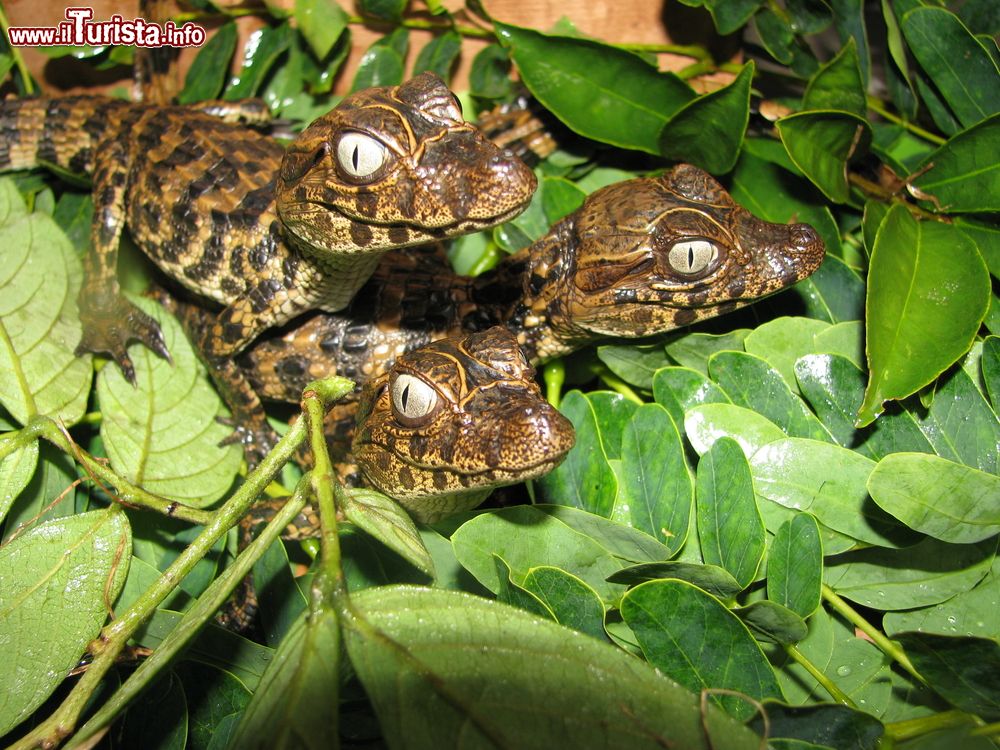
(256, 436)
(109, 326)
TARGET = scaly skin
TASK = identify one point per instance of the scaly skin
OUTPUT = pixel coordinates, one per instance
(603, 271)
(264, 232)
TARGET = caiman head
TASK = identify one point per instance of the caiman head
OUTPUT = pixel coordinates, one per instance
(453, 420)
(648, 255)
(396, 166)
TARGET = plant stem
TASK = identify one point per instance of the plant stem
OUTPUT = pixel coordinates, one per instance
(29, 86)
(554, 375)
(112, 639)
(899, 731)
(835, 692)
(879, 638)
(126, 493)
(876, 106)
(190, 625)
(987, 730)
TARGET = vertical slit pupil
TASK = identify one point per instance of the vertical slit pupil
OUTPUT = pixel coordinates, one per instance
(690, 256)
(405, 396)
(356, 157)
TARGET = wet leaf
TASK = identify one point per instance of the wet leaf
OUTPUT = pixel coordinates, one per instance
(438, 56)
(382, 64)
(927, 573)
(965, 671)
(795, 565)
(713, 579)
(291, 707)
(437, 654)
(693, 350)
(40, 276)
(692, 638)
(958, 63)
(821, 142)
(53, 602)
(678, 389)
(260, 55)
(489, 76)
(524, 538)
(655, 484)
(704, 425)
(969, 613)
(321, 23)
(730, 531)
(942, 499)
(771, 622)
(382, 517)
(914, 330)
(838, 84)
(584, 479)
(827, 481)
(708, 131)
(599, 91)
(634, 364)
(163, 434)
(780, 342)
(963, 175)
(574, 604)
(827, 725)
(207, 74)
(16, 471)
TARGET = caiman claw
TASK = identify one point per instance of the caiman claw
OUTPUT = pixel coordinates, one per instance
(109, 326)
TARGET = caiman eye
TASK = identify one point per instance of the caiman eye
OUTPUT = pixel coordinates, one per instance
(692, 257)
(360, 155)
(413, 401)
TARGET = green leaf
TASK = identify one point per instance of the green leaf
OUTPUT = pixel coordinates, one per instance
(678, 389)
(52, 604)
(987, 239)
(776, 35)
(612, 411)
(163, 434)
(772, 623)
(49, 494)
(834, 386)
(599, 91)
(834, 293)
(258, 60)
(713, 579)
(584, 479)
(827, 725)
(655, 484)
(849, 19)
(158, 718)
(692, 638)
(291, 707)
(489, 76)
(634, 364)
(16, 471)
(390, 10)
(510, 592)
(382, 517)
(927, 573)
(970, 613)
(693, 350)
(780, 342)
(730, 531)
(207, 74)
(40, 276)
(213, 696)
(991, 369)
(321, 23)
(958, 63)
(964, 671)
(827, 481)
(708, 131)
(838, 85)
(961, 425)
(963, 175)
(795, 565)
(622, 541)
(728, 15)
(430, 668)
(560, 197)
(915, 332)
(439, 55)
(750, 382)
(74, 214)
(574, 604)
(821, 142)
(942, 499)
(382, 63)
(525, 538)
(706, 424)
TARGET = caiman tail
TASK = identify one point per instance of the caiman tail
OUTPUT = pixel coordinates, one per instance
(62, 131)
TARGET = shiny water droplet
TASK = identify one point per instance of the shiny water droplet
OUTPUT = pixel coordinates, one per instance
(952, 619)
(843, 670)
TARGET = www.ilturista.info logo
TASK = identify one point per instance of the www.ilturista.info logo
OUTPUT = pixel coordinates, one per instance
(78, 29)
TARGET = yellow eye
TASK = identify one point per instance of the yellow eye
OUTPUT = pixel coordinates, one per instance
(412, 400)
(360, 155)
(692, 257)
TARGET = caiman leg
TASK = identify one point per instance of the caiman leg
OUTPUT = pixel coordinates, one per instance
(110, 321)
